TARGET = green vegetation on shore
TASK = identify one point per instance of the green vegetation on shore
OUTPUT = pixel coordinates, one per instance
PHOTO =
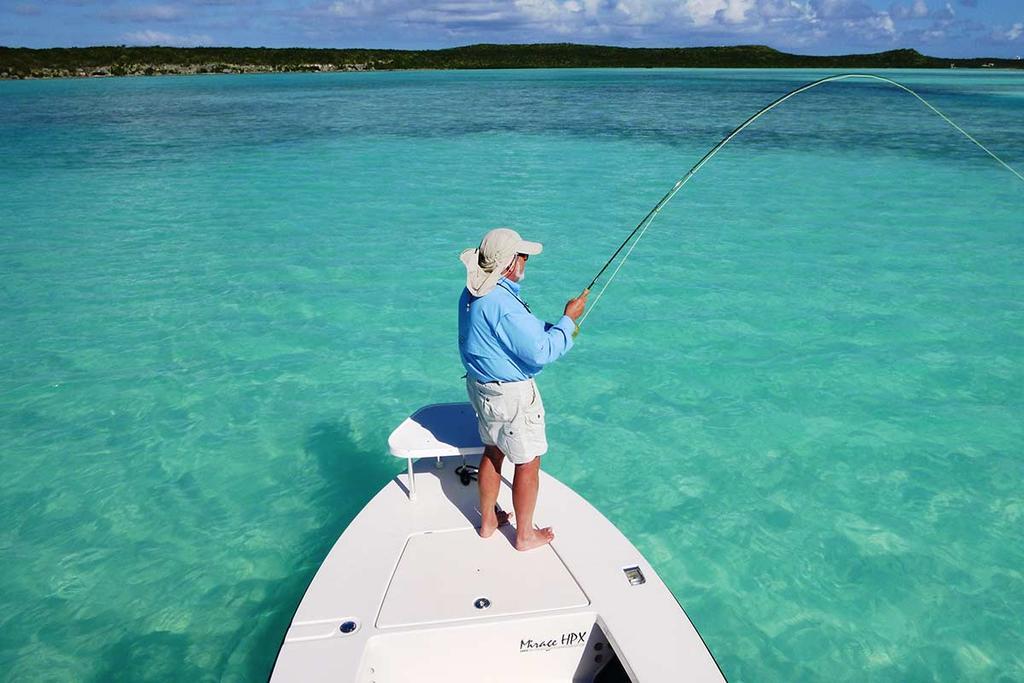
(125, 61)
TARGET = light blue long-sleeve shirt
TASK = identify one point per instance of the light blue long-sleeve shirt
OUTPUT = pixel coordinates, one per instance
(499, 339)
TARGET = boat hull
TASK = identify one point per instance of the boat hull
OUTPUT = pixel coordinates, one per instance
(424, 598)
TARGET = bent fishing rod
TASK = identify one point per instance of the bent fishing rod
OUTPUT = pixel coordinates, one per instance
(643, 225)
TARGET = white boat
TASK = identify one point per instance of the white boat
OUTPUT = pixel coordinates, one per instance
(410, 592)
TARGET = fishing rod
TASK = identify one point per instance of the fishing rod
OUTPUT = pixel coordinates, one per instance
(644, 224)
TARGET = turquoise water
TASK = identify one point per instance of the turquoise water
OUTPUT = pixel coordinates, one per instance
(802, 398)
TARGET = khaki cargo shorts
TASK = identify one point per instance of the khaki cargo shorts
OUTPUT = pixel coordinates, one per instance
(510, 415)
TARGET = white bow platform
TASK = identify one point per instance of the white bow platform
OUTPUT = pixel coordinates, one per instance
(410, 592)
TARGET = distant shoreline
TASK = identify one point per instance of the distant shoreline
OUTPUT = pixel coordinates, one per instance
(91, 62)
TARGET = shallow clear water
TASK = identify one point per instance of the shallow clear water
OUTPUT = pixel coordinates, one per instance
(802, 398)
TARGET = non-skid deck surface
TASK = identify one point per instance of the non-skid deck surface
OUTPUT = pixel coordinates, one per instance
(442, 574)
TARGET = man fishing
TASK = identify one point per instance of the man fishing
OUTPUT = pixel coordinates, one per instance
(503, 347)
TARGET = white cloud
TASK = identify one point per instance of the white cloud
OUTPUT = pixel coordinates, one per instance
(737, 11)
(882, 24)
(701, 12)
(161, 38)
(708, 12)
(640, 12)
(1015, 31)
(776, 10)
(782, 23)
(552, 11)
(852, 19)
(917, 10)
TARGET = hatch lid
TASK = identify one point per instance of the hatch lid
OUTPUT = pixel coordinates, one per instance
(450, 576)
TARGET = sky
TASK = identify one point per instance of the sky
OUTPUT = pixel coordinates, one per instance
(942, 28)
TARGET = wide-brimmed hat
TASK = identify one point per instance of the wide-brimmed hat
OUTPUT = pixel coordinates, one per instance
(486, 263)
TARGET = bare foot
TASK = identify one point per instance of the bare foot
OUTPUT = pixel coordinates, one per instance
(529, 539)
(493, 521)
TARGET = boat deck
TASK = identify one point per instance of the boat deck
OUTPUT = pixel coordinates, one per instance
(482, 577)
(407, 575)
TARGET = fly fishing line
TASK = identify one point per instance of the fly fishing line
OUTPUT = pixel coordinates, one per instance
(643, 225)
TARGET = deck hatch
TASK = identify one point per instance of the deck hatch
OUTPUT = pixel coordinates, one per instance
(441, 575)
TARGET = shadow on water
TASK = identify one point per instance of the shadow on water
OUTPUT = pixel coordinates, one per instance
(159, 656)
(352, 474)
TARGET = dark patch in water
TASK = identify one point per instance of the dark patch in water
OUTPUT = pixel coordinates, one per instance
(341, 460)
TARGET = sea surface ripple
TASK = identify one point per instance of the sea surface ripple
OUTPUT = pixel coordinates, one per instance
(802, 398)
